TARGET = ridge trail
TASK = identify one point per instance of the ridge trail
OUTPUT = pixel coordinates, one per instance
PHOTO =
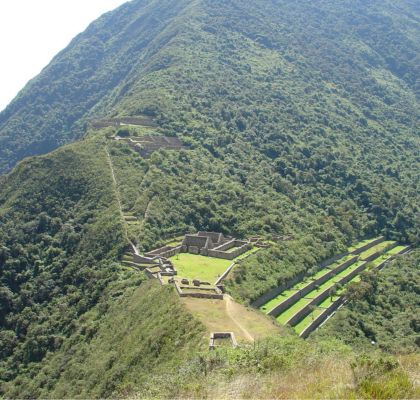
(229, 312)
(117, 195)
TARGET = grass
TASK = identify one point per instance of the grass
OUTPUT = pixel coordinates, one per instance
(325, 286)
(379, 247)
(213, 314)
(396, 250)
(356, 279)
(267, 307)
(193, 266)
(360, 244)
(302, 325)
(287, 314)
(175, 241)
(347, 271)
(388, 255)
(246, 254)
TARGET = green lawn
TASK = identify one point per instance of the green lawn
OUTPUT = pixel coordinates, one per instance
(302, 325)
(193, 266)
(348, 270)
(360, 244)
(356, 279)
(325, 286)
(287, 314)
(396, 250)
(277, 300)
(379, 247)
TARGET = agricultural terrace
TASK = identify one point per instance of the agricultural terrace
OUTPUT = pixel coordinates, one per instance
(312, 298)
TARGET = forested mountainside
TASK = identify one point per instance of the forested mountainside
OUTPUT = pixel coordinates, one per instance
(297, 118)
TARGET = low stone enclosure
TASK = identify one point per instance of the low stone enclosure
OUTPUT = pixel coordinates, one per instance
(200, 291)
(216, 339)
(306, 305)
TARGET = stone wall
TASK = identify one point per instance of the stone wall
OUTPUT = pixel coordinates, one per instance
(309, 287)
(222, 335)
(210, 293)
(321, 318)
(322, 296)
(214, 236)
(384, 263)
(271, 294)
(331, 260)
(197, 241)
(380, 252)
(368, 246)
(230, 255)
(143, 260)
(226, 246)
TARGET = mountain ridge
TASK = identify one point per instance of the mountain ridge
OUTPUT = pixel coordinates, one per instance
(295, 119)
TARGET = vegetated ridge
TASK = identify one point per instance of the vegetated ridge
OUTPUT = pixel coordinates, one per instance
(297, 119)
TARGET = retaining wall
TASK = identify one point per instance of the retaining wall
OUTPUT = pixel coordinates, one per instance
(296, 318)
(380, 252)
(171, 252)
(310, 286)
(218, 295)
(143, 260)
(271, 294)
(225, 274)
(322, 296)
(321, 318)
(383, 263)
(368, 246)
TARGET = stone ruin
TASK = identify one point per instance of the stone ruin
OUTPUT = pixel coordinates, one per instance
(156, 263)
(146, 145)
(217, 337)
(142, 120)
(213, 244)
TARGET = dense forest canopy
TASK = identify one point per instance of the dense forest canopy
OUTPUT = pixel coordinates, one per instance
(298, 118)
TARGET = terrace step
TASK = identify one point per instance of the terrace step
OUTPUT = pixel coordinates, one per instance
(320, 317)
(302, 292)
(132, 264)
(320, 297)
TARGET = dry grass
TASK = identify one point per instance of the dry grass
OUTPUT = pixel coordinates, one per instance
(329, 380)
(216, 317)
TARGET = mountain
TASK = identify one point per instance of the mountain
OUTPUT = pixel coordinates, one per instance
(271, 118)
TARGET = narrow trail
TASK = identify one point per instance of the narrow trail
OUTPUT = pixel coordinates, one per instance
(117, 195)
(228, 301)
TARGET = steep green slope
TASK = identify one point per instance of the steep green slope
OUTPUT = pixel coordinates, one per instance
(121, 344)
(297, 117)
(60, 236)
(54, 107)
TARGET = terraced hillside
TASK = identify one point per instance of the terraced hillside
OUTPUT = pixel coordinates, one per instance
(310, 302)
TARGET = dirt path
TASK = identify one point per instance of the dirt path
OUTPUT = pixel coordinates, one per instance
(230, 313)
(117, 195)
